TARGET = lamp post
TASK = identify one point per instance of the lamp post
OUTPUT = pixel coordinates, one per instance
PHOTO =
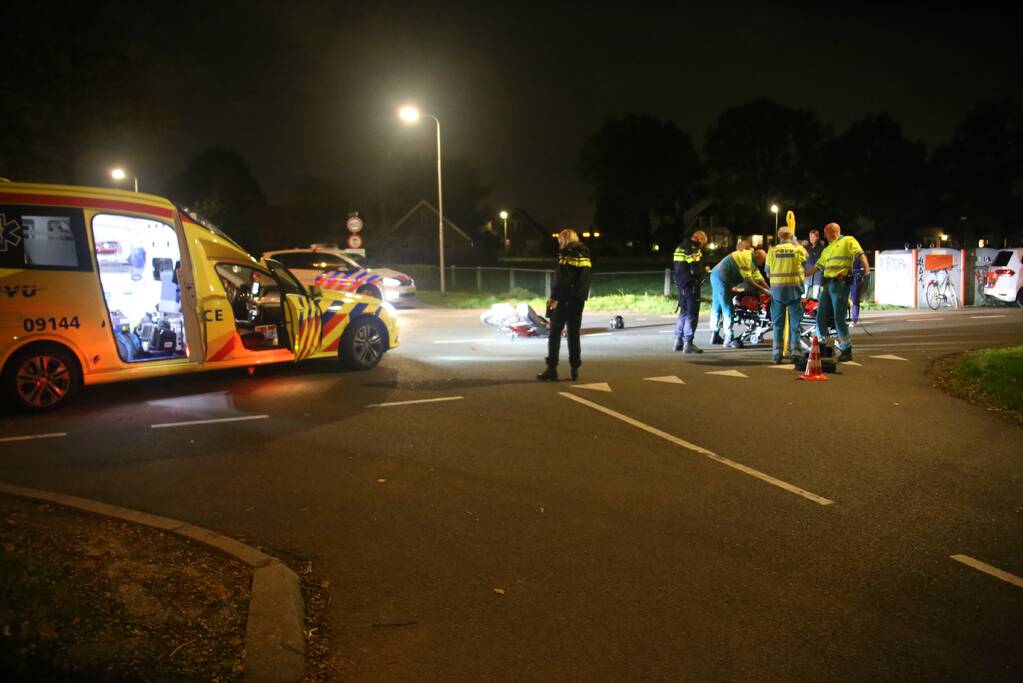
(119, 174)
(774, 210)
(504, 217)
(411, 115)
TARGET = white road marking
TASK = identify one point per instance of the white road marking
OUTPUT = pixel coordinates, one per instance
(988, 569)
(727, 373)
(408, 403)
(702, 451)
(597, 386)
(982, 317)
(922, 320)
(52, 435)
(854, 363)
(890, 356)
(667, 379)
(162, 425)
(598, 334)
(783, 366)
(482, 340)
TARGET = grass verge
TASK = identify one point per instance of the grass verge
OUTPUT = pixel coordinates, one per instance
(990, 378)
(612, 303)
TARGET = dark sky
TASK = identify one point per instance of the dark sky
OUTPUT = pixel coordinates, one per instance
(313, 88)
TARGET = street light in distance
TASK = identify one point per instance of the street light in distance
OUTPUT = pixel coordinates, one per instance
(774, 210)
(504, 217)
(411, 115)
(120, 174)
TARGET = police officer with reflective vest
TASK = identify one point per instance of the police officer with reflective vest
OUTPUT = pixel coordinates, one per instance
(836, 263)
(738, 267)
(785, 267)
(569, 291)
(688, 275)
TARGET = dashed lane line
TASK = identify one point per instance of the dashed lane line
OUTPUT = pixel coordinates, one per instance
(984, 317)
(820, 500)
(53, 435)
(408, 403)
(988, 569)
(481, 340)
(164, 425)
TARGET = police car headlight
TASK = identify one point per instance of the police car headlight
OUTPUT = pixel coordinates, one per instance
(389, 308)
(391, 282)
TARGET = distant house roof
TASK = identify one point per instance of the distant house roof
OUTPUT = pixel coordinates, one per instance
(429, 206)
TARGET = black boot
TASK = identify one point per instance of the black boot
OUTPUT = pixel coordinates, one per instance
(573, 373)
(678, 344)
(717, 338)
(690, 347)
(550, 374)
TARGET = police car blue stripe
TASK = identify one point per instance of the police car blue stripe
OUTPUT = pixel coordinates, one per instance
(357, 311)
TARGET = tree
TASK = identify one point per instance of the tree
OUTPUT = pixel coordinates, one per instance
(643, 173)
(761, 152)
(980, 174)
(218, 184)
(872, 171)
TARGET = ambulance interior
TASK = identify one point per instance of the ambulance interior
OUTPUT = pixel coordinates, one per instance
(138, 261)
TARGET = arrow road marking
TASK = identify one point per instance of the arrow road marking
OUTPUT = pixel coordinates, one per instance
(988, 569)
(727, 373)
(702, 451)
(598, 386)
(890, 356)
(667, 379)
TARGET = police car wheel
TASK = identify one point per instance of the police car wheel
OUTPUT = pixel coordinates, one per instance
(369, 290)
(363, 345)
(42, 377)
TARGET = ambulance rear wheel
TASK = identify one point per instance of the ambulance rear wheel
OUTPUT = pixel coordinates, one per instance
(369, 290)
(363, 344)
(42, 377)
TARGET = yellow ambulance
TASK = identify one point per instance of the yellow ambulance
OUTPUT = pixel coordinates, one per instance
(100, 285)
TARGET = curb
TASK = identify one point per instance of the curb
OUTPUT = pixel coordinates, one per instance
(274, 630)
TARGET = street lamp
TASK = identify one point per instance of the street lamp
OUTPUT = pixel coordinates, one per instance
(504, 217)
(119, 174)
(774, 210)
(411, 115)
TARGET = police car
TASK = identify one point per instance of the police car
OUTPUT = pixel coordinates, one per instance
(336, 270)
(100, 285)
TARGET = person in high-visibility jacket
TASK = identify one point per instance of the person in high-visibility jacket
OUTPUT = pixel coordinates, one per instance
(785, 269)
(569, 292)
(688, 275)
(732, 271)
(836, 263)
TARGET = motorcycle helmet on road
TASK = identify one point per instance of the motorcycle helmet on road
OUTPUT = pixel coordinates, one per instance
(617, 322)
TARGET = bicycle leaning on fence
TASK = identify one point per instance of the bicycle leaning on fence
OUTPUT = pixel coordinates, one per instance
(939, 291)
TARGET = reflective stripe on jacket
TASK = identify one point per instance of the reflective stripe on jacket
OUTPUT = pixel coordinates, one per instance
(572, 276)
(785, 264)
(738, 267)
(837, 258)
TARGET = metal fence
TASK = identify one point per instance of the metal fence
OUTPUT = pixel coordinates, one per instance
(495, 280)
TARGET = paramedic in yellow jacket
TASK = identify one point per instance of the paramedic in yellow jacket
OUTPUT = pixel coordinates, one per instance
(836, 263)
(732, 271)
(785, 270)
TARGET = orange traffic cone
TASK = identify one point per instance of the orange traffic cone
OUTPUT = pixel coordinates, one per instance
(813, 372)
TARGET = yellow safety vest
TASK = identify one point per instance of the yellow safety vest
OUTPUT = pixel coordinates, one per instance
(785, 264)
(837, 258)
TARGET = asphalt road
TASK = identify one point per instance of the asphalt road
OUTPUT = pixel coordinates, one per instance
(741, 526)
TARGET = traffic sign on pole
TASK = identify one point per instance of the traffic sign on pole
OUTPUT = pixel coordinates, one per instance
(354, 225)
(354, 242)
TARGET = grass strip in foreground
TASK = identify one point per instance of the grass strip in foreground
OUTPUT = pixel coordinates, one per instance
(991, 377)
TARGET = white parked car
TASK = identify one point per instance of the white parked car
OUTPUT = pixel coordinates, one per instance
(1005, 277)
(334, 269)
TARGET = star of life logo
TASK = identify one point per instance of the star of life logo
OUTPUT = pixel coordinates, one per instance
(10, 233)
